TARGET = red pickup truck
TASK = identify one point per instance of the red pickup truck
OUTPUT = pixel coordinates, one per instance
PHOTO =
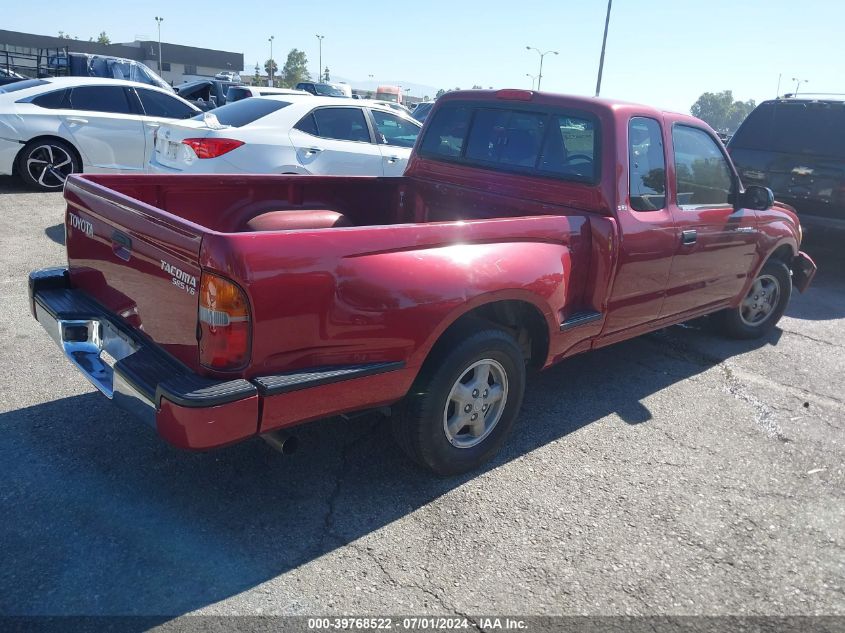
(528, 227)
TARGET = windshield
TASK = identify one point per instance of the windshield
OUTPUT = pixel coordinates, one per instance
(245, 111)
(22, 85)
(328, 91)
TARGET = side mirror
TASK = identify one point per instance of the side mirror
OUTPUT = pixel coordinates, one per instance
(758, 198)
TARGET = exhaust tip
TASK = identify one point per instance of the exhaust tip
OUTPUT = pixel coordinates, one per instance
(285, 444)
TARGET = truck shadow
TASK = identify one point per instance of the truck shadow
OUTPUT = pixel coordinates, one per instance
(101, 517)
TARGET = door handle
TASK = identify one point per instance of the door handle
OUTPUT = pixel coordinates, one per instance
(689, 237)
(76, 119)
(313, 150)
(392, 159)
(153, 125)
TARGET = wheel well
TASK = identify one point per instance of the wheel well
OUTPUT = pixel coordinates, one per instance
(784, 253)
(49, 137)
(520, 319)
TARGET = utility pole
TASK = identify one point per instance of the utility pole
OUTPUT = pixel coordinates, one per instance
(158, 23)
(603, 45)
(542, 55)
(320, 65)
(270, 81)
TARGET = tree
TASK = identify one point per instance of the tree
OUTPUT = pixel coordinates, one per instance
(326, 76)
(477, 87)
(720, 111)
(295, 69)
(102, 38)
(257, 78)
(272, 69)
(439, 93)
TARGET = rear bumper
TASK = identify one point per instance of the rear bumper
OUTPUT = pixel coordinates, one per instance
(187, 410)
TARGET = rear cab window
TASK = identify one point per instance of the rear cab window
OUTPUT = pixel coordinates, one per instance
(245, 111)
(646, 164)
(535, 141)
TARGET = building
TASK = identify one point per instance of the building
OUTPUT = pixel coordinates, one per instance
(178, 63)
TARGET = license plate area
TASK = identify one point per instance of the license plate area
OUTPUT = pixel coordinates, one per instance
(95, 346)
(171, 150)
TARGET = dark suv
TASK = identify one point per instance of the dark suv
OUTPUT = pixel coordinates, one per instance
(796, 147)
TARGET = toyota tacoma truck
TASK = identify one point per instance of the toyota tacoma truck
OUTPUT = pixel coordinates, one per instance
(528, 227)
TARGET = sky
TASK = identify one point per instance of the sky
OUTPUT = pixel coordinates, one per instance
(659, 52)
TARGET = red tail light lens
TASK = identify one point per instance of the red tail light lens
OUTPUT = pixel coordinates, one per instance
(225, 327)
(212, 147)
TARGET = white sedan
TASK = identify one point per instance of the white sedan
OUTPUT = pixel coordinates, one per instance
(53, 127)
(289, 134)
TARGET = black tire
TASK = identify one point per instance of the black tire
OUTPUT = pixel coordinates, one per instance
(43, 164)
(740, 322)
(419, 427)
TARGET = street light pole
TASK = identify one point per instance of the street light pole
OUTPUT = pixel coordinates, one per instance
(158, 22)
(542, 55)
(798, 83)
(603, 44)
(533, 79)
(272, 61)
(320, 66)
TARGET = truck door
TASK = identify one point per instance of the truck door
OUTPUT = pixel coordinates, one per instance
(647, 228)
(717, 241)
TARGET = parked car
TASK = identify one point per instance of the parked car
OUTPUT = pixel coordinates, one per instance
(322, 89)
(206, 94)
(421, 111)
(236, 93)
(53, 127)
(295, 134)
(228, 75)
(796, 147)
(529, 227)
(392, 105)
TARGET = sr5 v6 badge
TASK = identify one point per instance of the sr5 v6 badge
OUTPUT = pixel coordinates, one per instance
(180, 278)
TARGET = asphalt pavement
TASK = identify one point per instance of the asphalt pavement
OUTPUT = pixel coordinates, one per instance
(678, 473)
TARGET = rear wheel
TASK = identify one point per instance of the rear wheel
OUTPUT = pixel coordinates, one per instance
(45, 164)
(464, 402)
(763, 305)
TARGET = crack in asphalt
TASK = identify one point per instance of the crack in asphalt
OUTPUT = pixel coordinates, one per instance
(811, 338)
(679, 350)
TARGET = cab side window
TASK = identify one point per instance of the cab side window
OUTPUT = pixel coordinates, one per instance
(702, 175)
(646, 164)
(394, 130)
(343, 124)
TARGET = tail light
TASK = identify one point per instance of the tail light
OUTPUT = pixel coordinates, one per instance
(212, 147)
(224, 324)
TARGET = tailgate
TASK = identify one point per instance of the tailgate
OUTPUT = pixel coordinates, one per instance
(139, 262)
